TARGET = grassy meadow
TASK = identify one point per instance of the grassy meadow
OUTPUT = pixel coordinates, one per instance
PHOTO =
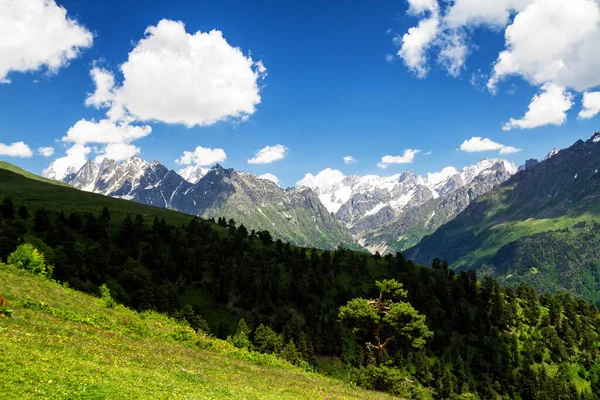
(63, 344)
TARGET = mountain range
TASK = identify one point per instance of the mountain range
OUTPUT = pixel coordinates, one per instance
(389, 214)
(296, 215)
(378, 213)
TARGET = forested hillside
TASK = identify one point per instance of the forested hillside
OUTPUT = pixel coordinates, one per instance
(487, 340)
(531, 225)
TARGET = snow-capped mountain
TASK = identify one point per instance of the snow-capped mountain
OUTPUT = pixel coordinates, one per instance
(552, 153)
(455, 193)
(57, 174)
(367, 202)
(295, 215)
(346, 209)
(192, 173)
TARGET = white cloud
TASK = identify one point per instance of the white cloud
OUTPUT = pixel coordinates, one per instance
(104, 95)
(415, 44)
(323, 180)
(36, 34)
(417, 7)
(438, 177)
(170, 76)
(453, 53)
(572, 27)
(478, 144)
(476, 12)
(270, 177)
(73, 161)
(45, 151)
(181, 78)
(350, 160)
(549, 107)
(202, 156)
(570, 62)
(591, 105)
(117, 151)
(105, 131)
(17, 149)
(115, 136)
(269, 154)
(428, 153)
(406, 158)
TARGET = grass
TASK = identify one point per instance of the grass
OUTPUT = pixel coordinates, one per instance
(62, 344)
(36, 192)
(512, 231)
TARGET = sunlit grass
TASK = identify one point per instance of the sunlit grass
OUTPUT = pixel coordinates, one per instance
(62, 344)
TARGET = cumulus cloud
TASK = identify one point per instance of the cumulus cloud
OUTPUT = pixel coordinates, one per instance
(36, 34)
(75, 158)
(269, 154)
(572, 27)
(435, 178)
(406, 158)
(569, 64)
(478, 144)
(117, 151)
(270, 177)
(176, 77)
(591, 105)
(453, 53)
(104, 95)
(105, 131)
(202, 156)
(549, 107)
(114, 137)
(476, 12)
(323, 180)
(350, 160)
(45, 151)
(415, 44)
(17, 149)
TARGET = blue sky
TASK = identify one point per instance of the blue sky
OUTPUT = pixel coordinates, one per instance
(329, 90)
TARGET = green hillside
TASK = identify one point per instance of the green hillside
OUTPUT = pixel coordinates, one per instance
(63, 344)
(556, 194)
(35, 192)
(444, 335)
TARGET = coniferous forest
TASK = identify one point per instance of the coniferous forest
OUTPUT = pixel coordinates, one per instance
(450, 335)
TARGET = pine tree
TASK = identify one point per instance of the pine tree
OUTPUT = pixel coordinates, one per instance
(22, 212)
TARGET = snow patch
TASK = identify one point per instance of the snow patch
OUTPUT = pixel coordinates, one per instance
(375, 209)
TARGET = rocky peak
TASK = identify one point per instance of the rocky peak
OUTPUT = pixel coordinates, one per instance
(192, 173)
(552, 153)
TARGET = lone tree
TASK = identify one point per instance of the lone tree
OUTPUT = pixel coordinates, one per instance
(386, 319)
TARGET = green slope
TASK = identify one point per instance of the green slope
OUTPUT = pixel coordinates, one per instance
(63, 344)
(556, 194)
(35, 192)
(13, 168)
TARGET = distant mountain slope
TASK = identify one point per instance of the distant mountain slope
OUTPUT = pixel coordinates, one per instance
(557, 193)
(294, 215)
